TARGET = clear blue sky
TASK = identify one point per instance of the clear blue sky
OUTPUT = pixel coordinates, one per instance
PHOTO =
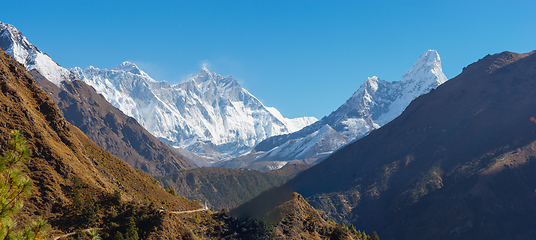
(305, 58)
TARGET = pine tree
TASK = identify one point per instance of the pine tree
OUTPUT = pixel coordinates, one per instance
(132, 230)
(355, 232)
(374, 236)
(94, 234)
(171, 191)
(14, 187)
(118, 236)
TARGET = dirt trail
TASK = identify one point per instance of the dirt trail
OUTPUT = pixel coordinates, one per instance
(73, 233)
(161, 210)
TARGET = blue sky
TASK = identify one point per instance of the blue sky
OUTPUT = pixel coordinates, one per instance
(305, 58)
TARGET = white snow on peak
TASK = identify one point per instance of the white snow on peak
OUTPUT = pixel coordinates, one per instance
(293, 124)
(17, 46)
(130, 67)
(373, 105)
(380, 101)
(319, 142)
(429, 63)
(425, 75)
(208, 114)
(373, 83)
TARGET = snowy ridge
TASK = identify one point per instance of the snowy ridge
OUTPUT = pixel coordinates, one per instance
(425, 75)
(293, 124)
(320, 142)
(17, 46)
(207, 114)
(373, 105)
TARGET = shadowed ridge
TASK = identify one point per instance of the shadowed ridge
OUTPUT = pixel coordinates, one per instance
(264, 203)
(111, 129)
(291, 217)
(455, 102)
(226, 188)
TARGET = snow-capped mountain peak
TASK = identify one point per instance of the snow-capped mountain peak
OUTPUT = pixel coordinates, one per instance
(12, 36)
(425, 75)
(382, 101)
(372, 83)
(131, 68)
(208, 114)
(427, 69)
(373, 105)
(205, 78)
(204, 71)
(17, 46)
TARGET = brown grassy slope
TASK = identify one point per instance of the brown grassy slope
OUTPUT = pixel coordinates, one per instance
(111, 129)
(61, 152)
(298, 220)
(291, 217)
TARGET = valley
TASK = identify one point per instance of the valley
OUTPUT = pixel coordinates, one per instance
(78, 186)
(119, 155)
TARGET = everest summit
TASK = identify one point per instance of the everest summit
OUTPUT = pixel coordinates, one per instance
(208, 114)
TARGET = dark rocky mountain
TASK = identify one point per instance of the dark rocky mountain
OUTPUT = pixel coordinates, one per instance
(90, 112)
(458, 163)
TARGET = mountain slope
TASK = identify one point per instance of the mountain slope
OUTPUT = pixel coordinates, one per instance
(291, 217)
(324, 140)
(90, 112)
(456, 163)
(63, 158)
(207, 114)
(373, 105)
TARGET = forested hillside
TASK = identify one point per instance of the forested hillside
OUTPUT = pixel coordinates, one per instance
(226, 188)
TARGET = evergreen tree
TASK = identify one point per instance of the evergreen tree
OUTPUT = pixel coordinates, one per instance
(14, 187)
(132, 230)
(171, 191)
(374, 236)
(118, 236)
(94, 234)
